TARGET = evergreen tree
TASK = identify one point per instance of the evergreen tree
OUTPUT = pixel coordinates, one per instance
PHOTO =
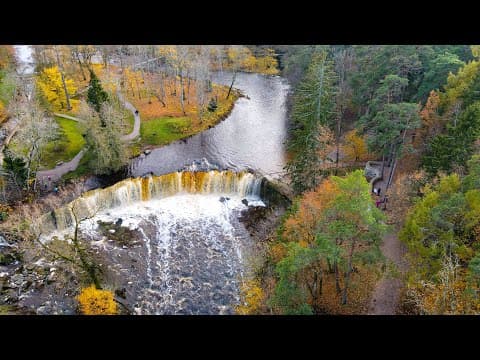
(96, 96)
(16, 169)
(312, 110)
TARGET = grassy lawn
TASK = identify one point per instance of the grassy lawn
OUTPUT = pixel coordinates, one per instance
(69, 142)
(164, 130)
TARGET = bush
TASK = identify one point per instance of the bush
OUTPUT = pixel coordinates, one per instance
(212, 105)
(96, 302)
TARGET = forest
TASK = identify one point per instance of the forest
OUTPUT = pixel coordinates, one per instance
(240, 179)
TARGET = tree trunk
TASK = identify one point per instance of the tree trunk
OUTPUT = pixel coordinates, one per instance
(337, 277)
(188, 88)
(383, 166)
(81, 67)
(231, 85)
(337, 140)
(182, 94)
(69, 107)
(347, 273)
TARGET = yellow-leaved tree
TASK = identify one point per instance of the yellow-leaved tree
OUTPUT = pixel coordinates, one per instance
(251, 297)
(3, 112)
(52, 87)
(355, 147)
(94, 301)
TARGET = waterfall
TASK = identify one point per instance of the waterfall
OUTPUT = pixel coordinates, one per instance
(123, 193)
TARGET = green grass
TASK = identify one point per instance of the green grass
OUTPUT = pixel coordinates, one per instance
(6, 89)
(164, 130)
(69, 142)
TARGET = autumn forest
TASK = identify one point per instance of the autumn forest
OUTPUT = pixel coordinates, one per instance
(240, 179)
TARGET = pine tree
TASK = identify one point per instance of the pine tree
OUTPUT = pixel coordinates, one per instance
(96, 96)
(312, 110)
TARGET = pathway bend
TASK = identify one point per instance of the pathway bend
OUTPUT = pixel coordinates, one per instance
(56, 173)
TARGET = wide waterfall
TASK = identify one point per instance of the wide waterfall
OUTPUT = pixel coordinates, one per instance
(185, 250)
(243, 184)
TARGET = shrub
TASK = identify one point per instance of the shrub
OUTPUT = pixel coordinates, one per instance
(94, 301)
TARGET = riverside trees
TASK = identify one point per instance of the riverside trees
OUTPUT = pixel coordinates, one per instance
(313, 109)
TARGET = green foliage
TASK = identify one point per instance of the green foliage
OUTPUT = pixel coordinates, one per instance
(212, 105)
(313, 108)
(452, 149)
(289, 297)
(17, 169)
(436, 75)
(442, 234)
(443, 224)
(96, 96)
(350, 218)
(390, 118)
(7, 87)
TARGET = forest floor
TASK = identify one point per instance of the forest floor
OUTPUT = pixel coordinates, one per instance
(387, 291)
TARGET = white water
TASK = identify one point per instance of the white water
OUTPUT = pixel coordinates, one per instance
(195, 252)
(193, 248)
(25, 61)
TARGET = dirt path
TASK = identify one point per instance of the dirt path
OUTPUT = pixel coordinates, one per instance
(387, 291)
(386, 294)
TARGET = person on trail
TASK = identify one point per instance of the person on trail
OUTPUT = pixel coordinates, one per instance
(378, 191)
(55, 190)
(375, 191)
(136, 112)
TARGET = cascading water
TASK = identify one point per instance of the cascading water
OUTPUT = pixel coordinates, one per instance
(193, 249)
(123, 193)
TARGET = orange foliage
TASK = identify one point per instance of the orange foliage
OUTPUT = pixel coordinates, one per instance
(97, 302)
(450, 298)
(251, 298)
(362, 284)
(6, 56)
(301, 226)
(3, 112)
(355, 147)
(151, 107)
(432, 123)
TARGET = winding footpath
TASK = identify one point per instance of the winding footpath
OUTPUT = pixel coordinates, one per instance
(136, 126)
(52, 176)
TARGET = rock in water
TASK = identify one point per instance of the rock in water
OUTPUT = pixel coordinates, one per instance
(119, 222)
(245, 202)
(222, 199)
(121, 293)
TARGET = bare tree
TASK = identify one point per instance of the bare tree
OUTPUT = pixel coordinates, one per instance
(36, 129)
(202, 79)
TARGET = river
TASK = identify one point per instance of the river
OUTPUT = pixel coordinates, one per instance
(252, 136)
